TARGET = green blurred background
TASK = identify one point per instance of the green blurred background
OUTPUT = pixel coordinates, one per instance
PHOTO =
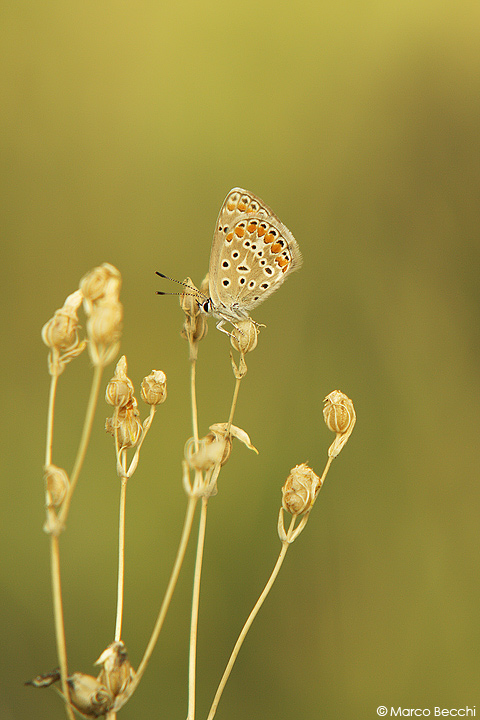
(123, 126)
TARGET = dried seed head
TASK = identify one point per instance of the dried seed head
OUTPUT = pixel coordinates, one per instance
(195, 326)
(102, 282)
(105, 322)
(210, 452)
(60, 331)
(244, 336)
(189, 299)
(339, 415)
(125, 425)
(154, 388)
(117, 673)
(89, 695)
(56, 485)
(300, 489)
(120, 389)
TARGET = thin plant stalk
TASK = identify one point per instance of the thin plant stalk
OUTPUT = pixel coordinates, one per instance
(198, 571)
(82, 449)
(187, 527)
(59, 622)
(234, 403)
(55, 564)
(192, 660)
(193, 393)
(250, 619)
(50, 418)
(121, 558)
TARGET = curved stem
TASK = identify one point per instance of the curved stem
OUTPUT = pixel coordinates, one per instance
(192, 660)
(187, 527)
(234, 403)
(82, 448)
(59, 622)
(248, 623)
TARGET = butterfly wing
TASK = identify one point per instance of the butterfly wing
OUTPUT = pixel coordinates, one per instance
(252, 254)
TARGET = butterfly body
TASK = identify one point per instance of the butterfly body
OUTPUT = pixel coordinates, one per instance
(252, 254)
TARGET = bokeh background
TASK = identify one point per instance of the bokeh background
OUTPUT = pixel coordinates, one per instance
(123, 126)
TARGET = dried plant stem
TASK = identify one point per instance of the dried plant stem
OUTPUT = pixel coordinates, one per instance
(198, 565)
(250, 619)
(193, 393)
(234, 402)
(187, 527)
(59, 623)
(82, 449)
(194, 616)
(50, 418)
(121, 558)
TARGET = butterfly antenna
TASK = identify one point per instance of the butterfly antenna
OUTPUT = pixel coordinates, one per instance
(179, 282)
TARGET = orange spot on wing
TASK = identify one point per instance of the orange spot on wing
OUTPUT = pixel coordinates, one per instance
(276, 247)
(282, 262)
(261, 230)
(229, 237)
(251, 227)
(242, 206)
(269, 238)
(230, 205)
(240, 231)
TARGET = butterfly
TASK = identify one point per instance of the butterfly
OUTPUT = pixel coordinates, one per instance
(252, 255)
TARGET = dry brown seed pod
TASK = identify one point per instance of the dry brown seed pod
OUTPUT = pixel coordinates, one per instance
(101, 282)
(120, 389)
(116, 673)
(125, 425)
(244, 336)
(300, 489)
(89, 695)
(340, 418)
(154, 388)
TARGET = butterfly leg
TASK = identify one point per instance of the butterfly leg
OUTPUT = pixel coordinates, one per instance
(222, 329)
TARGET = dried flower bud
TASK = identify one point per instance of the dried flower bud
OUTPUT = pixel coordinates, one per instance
(117, 673)
(300, 489)
(195, 326)
(189, 299)
(154, 388)
(339, 415)
(105, 322)
(56, 485)
(89, 696)
(244, 336)
(120, 389)
(102, 282)
(210, 452)
(125, 425)
(60, 331)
